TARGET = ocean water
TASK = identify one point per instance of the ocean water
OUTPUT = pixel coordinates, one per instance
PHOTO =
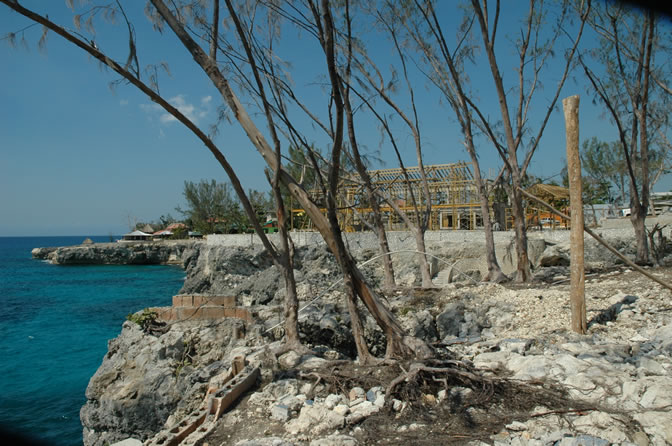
(55, 322)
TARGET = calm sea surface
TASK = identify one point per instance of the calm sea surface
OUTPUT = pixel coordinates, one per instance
(55, 322)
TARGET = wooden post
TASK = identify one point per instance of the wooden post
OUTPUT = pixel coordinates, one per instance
(570, 106)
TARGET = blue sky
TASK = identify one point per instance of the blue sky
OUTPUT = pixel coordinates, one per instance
(78, 158)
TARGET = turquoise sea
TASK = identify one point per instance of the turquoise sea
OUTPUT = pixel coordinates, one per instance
(55, 322)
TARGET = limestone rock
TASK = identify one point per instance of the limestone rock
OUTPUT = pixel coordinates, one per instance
(554, 255)
(335, 440)
(143, 380)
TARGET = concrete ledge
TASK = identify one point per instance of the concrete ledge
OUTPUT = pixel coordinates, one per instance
(204, 312)
(198, 300)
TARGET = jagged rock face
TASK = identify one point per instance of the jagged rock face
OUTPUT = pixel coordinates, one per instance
(115, 254)
(144, 379)
(249, 273)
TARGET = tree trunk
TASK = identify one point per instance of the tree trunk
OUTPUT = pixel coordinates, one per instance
(291, 308)
(398, 344)
(389, 282)
(495, 273)
(363, 353)
(285, 261)
(638, 220)
(592, 206)
(523, 273)
(423, 264)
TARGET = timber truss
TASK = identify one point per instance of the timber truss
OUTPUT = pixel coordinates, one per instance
(452, 194)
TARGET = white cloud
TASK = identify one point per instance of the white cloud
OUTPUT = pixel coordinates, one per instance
(150, 108)
(123, 102)
(191, 111)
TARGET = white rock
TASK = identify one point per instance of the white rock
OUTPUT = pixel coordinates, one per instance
(280, 412)
(128, 442)
(315, 419)
(290, 359)
(570, 364)
(356, 393)
(335, 440)
(342, 409)
(491, 360)
(601, 425)
(658, 395)
(312, 362)
(656, 424)
(651, 366)
(365, 408)
(380, 401)
(266, 441)
(529, 367)
(332, 400)
(517, 426)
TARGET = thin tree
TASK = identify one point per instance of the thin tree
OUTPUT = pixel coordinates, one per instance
(621, 73)
(534, 53)
(371, 79)
(377, 225)
(446, 71)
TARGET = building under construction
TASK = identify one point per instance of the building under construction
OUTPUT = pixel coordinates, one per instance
(452, 192)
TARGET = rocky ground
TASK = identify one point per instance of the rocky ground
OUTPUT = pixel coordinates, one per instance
(508, 369)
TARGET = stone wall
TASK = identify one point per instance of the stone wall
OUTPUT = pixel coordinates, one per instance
(404, 240)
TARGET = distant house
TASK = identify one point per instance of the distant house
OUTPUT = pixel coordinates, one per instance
(161, 234)
(136, 236)
(169, 230)
(271, 226)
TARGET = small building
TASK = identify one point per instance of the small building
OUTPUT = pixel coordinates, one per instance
(271, 226)
(136, 236)
(170, 230)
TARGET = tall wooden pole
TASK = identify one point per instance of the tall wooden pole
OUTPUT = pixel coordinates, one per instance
(570, 106)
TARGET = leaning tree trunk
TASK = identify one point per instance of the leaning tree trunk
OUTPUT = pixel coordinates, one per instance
(399, 345)
(363, 353)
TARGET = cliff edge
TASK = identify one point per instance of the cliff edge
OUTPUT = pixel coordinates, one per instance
(122, 253)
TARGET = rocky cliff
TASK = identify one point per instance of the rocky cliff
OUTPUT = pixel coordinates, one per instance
(146, 378)
(123, 253)
(148, 382)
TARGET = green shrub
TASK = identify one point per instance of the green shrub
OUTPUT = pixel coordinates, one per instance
(145, 319)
